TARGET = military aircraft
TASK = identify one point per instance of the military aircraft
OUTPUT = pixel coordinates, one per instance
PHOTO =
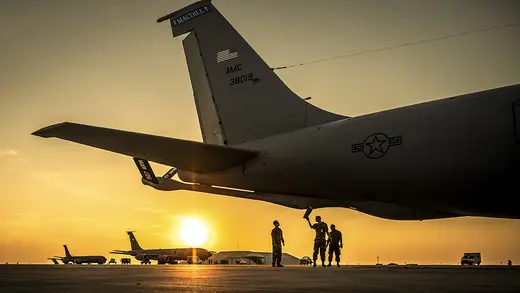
(452, 157)
(162, 256)
(74, 259)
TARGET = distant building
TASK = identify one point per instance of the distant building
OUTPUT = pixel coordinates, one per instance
(250, 257)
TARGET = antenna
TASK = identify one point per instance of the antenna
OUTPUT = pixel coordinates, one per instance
(397, 46)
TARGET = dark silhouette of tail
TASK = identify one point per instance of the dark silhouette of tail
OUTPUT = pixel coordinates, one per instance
(67, 253)
(237, 95)
(134, 245)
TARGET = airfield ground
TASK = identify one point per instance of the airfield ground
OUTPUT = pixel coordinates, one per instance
(206, 278)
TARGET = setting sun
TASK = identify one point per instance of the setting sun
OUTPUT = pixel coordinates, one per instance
(194, 232)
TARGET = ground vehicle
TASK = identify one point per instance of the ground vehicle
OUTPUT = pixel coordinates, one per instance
(306, 260)
(471, 258)
(112, 261)
(126, 260)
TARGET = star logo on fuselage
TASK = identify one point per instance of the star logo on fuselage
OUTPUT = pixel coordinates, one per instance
(376, 145)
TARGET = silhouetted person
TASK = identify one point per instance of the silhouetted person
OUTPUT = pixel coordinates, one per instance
(336, 243)
(319, 241)
(277, 240)
(509, 262)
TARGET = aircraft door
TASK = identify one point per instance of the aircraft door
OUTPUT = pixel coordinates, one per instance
(516, 119)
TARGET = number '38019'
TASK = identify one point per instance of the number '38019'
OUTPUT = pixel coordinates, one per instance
(241, 79)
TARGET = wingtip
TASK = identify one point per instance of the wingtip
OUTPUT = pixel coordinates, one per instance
(46, 131)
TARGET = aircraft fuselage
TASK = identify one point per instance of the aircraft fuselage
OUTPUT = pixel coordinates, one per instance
(459, 155)
(99, 259)
(169, 255)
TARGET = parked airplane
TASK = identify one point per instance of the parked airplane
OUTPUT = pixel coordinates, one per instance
(458, 156)
(162, 256)
(69, 258)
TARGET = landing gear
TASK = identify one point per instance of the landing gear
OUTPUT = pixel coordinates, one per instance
(146, 262)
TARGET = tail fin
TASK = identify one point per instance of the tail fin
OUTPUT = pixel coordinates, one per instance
(67, 253)
(238, 97)
(134, 245)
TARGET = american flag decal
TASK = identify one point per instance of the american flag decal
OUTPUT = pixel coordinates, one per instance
(226, 55)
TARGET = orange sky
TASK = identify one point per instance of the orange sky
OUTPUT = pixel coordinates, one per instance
(108, 63)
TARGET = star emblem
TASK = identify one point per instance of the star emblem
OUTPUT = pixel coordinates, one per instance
(376, 145)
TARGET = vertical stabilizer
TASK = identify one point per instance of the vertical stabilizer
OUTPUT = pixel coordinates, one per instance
(238, 96)
(134, 245)
(67, 253)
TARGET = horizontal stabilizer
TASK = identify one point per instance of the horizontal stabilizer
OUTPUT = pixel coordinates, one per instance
(54, 261)
(186, 155)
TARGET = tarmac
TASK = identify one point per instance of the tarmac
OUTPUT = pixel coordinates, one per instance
(236, 278)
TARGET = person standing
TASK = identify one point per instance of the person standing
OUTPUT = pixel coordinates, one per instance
(277, 241)
(336, 243)
(319, 241)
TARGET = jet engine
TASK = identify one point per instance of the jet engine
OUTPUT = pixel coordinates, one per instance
(141, 257)
(165, 259)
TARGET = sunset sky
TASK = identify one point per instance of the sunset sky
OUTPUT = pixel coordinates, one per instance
(108, 63)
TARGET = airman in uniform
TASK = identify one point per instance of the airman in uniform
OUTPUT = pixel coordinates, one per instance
(336, 243)
(320, 242)
(277, 241)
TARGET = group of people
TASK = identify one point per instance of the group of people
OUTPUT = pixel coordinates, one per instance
(323, 238)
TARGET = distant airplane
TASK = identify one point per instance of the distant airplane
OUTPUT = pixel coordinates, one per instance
(162, 256)
(69, 258)
(458, 156)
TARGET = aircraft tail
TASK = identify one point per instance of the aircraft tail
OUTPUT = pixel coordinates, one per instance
(67, 253)
(55, 261)
(134, 245)
(237, 95)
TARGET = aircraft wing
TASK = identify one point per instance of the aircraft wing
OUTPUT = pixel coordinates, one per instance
(184, 154)
(123, 252)
(131, 253)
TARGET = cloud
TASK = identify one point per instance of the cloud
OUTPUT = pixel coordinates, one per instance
(13, 157)
(9, 153)
(59, 181)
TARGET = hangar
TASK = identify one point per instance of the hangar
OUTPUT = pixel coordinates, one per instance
(250, 257)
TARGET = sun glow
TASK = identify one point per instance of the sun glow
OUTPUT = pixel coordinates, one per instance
(194, 232)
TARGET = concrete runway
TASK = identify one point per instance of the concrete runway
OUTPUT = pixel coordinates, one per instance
(232, 278)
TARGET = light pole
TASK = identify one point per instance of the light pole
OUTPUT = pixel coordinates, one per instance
(305, 117)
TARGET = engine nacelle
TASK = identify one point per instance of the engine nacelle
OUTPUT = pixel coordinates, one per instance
(141, 257)
(165, 259)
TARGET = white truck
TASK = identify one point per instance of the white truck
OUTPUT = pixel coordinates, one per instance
(471, 258)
